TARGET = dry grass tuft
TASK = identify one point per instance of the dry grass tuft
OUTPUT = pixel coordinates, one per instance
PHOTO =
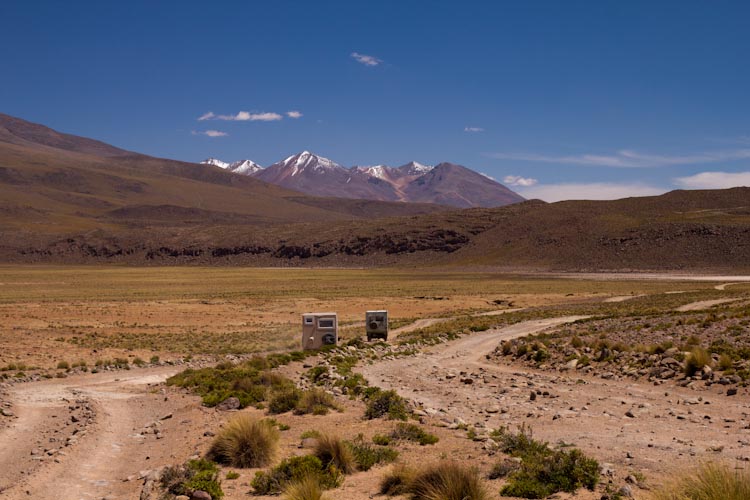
(245, 442)
(307, 488)
(710, 481)
(333, 451)
(441, 481)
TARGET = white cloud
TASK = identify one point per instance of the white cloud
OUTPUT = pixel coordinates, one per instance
(588, 191)
(629, 159)
(294, 114)
(473, 129)
(210, 133)
(242, 116)
(365, 59)
(714, 180)
(517, 180)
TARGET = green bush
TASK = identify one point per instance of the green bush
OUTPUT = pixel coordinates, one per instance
(413, 432)
(315, 401)
(367, 455)
(284, 399)
(196, 475)
(386, 403)
(544, 471)
(295, 469)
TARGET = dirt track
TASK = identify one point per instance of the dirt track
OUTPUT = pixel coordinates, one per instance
(660, 427)
(111, 444)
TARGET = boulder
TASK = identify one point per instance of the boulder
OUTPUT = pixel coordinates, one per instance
(229, 404)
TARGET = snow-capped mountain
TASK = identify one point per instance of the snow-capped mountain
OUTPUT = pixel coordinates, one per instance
(245, 167)
(446, 184)
(215, 162)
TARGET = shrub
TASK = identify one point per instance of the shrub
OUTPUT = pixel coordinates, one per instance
(367, 455)
(231, 475)
(576, 342)
(307, 488)
(544, 471)
(295, 469)
(316, 372)
(331, 450)
(284, 399)
(139, 362)
(725, 362)
(709, 482)
(442, 481)
(195, 475)
(315, 401)
(413, 432)
(398, 481)
(502, 468)
(382, 403)
(63, 365)
(245, 442)
(381, 440)
(697, 359)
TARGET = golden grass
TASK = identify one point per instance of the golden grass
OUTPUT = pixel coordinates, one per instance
(710, 481)
(331, 450)
(307, 488)
(245, 442)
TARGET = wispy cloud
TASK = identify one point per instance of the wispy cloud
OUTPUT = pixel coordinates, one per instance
(242, 116)
(365, 59)
(294, 114)
(517, 180)
(714, 180)
(628, 159)
(210, 133)
(473, 129)
(588, 191)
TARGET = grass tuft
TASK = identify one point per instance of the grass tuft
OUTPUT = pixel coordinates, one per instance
(307, 488)
(441, 481)
(332, 451)
(710, 481)
(245, 442)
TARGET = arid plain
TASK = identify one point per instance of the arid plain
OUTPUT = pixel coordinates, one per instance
(85, 353)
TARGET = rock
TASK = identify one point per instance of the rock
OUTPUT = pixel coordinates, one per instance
(630, 414)
(169, 415)
(200, 495)
(732, 391)
(229, 404)
(532, 396)
(181, 497)
(626, 491)
(6, 412)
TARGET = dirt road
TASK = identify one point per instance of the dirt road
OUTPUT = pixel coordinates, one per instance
(635, 426)
(92, 437)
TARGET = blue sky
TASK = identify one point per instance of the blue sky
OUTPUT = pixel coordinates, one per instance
(573, 99)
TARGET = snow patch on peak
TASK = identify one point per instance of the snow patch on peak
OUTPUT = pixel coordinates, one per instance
(379, 171)
(415, 168)
(247, 167)
(215, 162)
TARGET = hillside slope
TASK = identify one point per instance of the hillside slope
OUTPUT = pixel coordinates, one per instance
(59, 184)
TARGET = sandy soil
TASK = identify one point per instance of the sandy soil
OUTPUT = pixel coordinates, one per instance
(107, 447)
(634, 426)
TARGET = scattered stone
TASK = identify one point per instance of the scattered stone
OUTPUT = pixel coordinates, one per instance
(200, 495)
(228, 404)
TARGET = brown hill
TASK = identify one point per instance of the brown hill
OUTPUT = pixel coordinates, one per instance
(59, 184)
(450, 184)
(68, 201)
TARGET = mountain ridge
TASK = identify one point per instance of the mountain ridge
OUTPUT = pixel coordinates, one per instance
(454, 185)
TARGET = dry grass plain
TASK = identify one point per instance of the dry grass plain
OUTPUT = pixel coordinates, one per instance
(50, 315)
